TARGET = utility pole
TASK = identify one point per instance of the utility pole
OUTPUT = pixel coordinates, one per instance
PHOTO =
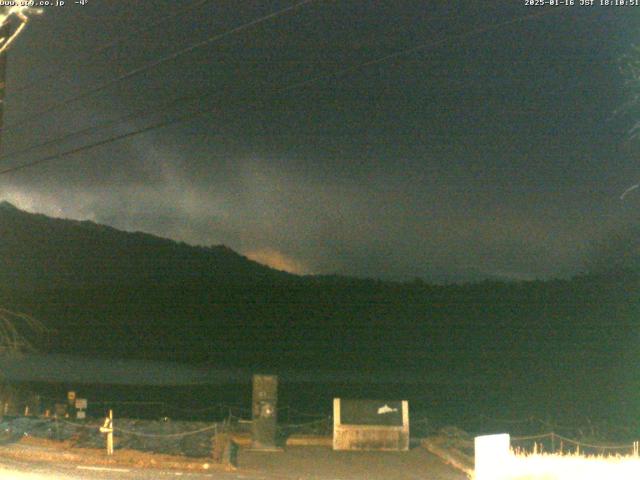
(4, 33)
(12, 21)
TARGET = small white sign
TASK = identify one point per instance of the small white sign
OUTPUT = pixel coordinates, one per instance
(81, 403)
(81, 414)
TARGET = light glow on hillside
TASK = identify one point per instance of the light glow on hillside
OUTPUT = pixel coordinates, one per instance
(278, 260)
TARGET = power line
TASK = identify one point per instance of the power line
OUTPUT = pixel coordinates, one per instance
(423, 46)
(191, 115)
(89, 56)
(143, 112)
(91, 146)
(154, 64)
(131, 116)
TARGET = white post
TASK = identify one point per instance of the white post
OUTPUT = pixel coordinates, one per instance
(107, 428)
(336, 421)
(110, 434)
(492, 456)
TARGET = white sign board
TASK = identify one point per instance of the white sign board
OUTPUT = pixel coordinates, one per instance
(492, 456)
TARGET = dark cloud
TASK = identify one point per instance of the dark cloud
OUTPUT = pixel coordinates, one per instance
(489, 156)
(618, 250)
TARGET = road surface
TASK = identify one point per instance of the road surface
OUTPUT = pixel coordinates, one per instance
(295, 463)
(16, 470)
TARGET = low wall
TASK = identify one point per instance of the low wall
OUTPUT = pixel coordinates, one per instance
(391, 432)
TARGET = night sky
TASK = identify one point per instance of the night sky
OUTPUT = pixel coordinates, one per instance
(487, 148)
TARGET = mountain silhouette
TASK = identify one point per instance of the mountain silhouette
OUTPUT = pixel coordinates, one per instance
(37, 250)
(111, 293)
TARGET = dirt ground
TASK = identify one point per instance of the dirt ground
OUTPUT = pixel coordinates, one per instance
(42, 450)
(292, 463)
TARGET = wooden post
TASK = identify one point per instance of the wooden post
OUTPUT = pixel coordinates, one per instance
(110, 434)
(3, 70)
(107, 428)
(336, 422)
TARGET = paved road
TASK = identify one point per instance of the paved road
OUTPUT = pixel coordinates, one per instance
(308, 463)
(17, 470)
(10, 469)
